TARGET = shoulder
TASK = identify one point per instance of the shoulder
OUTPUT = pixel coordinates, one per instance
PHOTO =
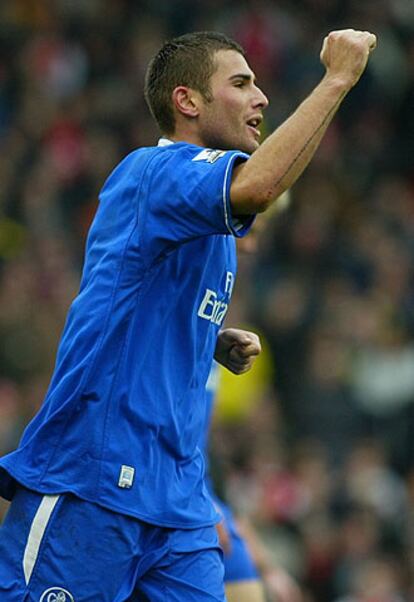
(185, 151)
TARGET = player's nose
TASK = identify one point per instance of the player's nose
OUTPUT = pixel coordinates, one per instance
(261, 101)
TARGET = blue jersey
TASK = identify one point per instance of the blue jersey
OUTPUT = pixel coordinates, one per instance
(123, 415)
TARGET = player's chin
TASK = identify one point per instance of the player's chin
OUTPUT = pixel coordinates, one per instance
(249, 145)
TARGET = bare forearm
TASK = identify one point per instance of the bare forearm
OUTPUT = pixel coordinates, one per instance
(280, 160)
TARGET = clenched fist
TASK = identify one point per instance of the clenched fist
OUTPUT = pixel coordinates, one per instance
(237, 349)
(345, 54)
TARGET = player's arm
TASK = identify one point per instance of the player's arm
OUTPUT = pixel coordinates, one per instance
(280, 586)
(237, 349)
(224, 537)
(281, 159)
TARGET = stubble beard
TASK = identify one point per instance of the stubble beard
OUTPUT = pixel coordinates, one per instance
(218, 140)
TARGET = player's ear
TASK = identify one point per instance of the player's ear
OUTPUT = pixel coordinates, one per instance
(186, 101)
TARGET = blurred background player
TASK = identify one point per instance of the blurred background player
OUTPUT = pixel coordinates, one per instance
(251, 574)
(241, 577)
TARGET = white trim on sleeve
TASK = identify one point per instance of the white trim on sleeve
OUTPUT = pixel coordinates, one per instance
(226, 175)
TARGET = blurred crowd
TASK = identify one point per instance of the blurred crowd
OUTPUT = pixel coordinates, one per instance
(323, 460)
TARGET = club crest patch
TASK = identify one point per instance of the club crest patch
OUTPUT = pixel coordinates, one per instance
(56, 594)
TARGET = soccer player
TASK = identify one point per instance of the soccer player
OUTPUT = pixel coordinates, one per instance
(108, 498)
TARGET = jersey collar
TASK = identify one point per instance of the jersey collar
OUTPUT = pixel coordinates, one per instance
(164, 142)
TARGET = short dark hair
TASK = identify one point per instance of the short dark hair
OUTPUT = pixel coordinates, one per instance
(184, 61)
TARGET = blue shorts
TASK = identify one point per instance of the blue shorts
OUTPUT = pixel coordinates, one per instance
(238, 563)
(62, 549)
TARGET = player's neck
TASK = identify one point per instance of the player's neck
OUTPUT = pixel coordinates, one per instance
(185, 133)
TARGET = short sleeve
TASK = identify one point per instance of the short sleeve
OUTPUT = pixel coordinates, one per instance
(188, 195)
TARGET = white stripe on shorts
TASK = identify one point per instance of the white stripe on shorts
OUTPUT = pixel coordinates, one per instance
(37, 530)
